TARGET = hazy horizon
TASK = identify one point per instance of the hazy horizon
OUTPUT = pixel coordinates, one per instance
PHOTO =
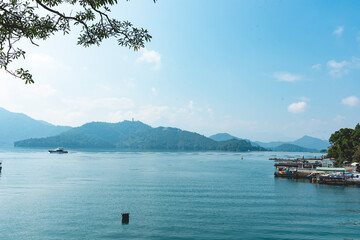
(254, 140)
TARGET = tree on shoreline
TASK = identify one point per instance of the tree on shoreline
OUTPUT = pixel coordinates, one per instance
(345, 145)
(39, 19)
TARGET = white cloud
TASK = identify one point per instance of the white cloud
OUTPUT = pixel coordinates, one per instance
(43, 61)
(80, 110)
(287, 77)
(77, 111)
(110, 103)
(16, 96)
(42, 101)
(150, 56)
(297, 107)
(339, 119)
(129, 83)
(24, 92)
(338, 31)
(351, 101)
(337, 65)
(191, 105)
(188, 117)
(316, 66)
(337, 69)
(210, 112)
(154, 91)
(151, 114)
(105, 88)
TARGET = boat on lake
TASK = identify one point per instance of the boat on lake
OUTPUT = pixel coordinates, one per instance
(58, 150)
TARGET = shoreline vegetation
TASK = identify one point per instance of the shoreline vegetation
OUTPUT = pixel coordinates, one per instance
(345, 145)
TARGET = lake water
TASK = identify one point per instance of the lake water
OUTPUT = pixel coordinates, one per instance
(81, 195)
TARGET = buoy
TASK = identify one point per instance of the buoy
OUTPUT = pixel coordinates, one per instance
(125, 218)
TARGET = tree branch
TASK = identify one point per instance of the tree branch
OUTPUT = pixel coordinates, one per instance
(65, 17)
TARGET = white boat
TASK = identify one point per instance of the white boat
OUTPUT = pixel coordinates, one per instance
(58, 150)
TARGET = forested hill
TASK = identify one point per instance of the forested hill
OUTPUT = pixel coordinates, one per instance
(292, 148)
(135, 135)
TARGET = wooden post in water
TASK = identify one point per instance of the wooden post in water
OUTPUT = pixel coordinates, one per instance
(125, 218)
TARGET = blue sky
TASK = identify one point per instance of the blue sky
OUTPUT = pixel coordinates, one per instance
(263, 70)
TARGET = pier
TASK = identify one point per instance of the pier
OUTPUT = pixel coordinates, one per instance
(317, 170)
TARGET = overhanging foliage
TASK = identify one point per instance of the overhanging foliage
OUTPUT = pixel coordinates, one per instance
(25, 20)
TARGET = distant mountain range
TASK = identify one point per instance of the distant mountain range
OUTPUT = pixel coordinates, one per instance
(17, 126)
(304, 144)
(135, 135)
(14, 127)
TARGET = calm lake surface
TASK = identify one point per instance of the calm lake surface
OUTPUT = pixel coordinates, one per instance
(81, 195)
